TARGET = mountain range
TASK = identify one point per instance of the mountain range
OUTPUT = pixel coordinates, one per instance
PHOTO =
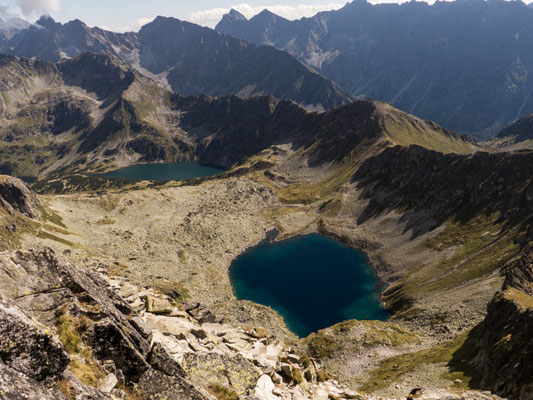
(113, 288)
(463, 64)
(9, 27)
(95, 111)
(185, 57)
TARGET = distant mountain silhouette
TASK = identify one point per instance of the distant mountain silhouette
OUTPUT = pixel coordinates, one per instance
(463, 64)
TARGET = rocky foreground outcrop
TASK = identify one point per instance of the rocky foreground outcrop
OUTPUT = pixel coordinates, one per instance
(67, 333)
(72, 333)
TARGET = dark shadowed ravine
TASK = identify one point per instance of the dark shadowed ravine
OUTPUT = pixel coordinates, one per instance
(163, 172)
(312, 281)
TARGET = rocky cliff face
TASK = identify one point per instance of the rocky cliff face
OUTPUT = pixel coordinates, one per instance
(83, 326)
(461, 64)
(15, 195)
(199, 60)
(449, 185)
(505, 347)
(474, 211)
(191, 59)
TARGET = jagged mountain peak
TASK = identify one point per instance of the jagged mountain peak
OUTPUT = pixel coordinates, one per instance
(230, 19)
(235, 15)
(77, 22)
(46, 21)
(189, 58)
(102, 74)
(168, 29)
(267, 15)
(160, 20)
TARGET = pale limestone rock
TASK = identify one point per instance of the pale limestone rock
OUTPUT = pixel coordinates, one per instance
(108, 383)
(170, 326)
(157, 305)
(127, 290)
(264, 387)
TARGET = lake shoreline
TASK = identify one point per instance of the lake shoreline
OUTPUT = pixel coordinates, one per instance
(347, 289)
(162, 172)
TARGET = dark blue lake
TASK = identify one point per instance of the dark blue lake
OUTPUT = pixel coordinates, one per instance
(312, 281)
(163, 172)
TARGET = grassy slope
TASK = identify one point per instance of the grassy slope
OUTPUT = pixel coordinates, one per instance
(403, 129)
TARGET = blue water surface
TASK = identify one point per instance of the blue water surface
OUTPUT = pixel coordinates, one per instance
(163, 172)
(312, 281)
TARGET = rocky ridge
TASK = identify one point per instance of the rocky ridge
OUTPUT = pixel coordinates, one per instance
(185, 57)
(502, 339)
(460, 64)
(517, 136)
(142, 342)
(9, 27)
(60, 119)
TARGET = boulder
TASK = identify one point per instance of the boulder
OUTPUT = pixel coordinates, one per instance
(108, 383)
(264, 387)
(156, 305)
(15, 195)
(110, 342)
(291, 373)
(28, 348)
(140, 326)
(215, 369)
(160, 359)
(155, 385)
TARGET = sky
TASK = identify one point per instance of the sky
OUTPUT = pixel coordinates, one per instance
(126, 15)
(130, 15)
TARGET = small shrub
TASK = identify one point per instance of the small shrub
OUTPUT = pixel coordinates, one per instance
(222, 392)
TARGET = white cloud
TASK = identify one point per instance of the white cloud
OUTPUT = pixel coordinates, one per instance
(212, 17)
(31, 7)
(133, 27)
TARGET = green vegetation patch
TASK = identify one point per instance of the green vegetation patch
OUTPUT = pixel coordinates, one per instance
(454, 354)
(222, 392)
(358, 335)
(83, 364)
(474, 250)
(404, 130)
(13, 227)
(49, 236)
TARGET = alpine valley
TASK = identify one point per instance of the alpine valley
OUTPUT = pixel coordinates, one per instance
(120, 289)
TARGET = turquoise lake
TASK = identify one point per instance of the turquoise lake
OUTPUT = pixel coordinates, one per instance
(163, 172)
(312, 281)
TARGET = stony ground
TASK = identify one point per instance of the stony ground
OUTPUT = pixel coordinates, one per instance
(185, 238)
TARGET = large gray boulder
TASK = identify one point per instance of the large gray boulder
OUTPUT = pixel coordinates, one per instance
(15, 195)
